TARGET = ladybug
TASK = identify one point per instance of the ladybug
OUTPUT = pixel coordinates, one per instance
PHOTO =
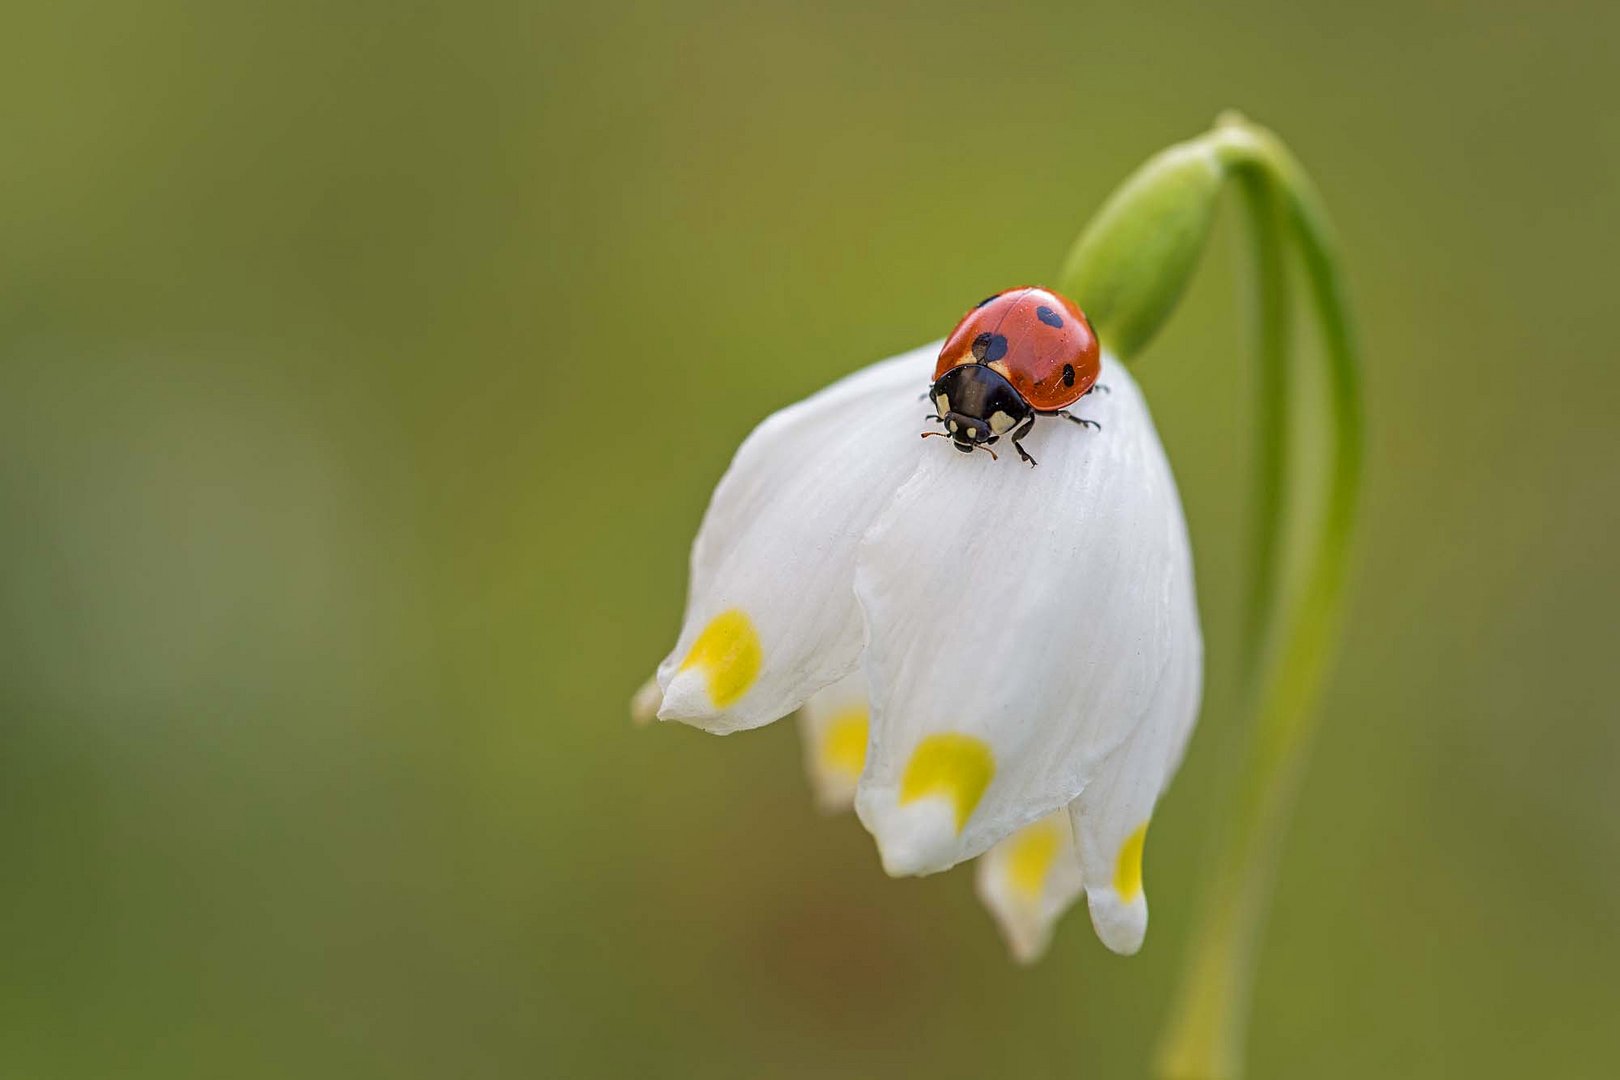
(1019, 354)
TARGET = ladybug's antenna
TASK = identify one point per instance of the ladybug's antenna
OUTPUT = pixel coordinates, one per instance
(976, 446)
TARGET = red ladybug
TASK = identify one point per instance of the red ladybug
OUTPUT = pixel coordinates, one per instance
(1022, 353)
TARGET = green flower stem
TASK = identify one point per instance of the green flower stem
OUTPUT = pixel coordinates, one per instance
(1133, 262)
(1272, 331)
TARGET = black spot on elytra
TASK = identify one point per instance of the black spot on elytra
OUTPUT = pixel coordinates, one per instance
(988, 347)
(1049, 317)
(1068, 373)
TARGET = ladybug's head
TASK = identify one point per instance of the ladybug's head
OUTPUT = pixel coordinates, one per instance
(977, 405)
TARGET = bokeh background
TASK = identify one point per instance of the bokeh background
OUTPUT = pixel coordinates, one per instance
(364, 369)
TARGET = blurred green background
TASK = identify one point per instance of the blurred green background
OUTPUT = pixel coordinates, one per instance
(366, 368)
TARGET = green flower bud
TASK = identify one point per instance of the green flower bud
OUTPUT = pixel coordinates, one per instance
(1136, 256)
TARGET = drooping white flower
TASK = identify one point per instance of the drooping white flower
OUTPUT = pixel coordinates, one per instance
(1029, 636)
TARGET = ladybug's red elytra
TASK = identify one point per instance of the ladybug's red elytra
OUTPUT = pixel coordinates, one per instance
(1019, 354)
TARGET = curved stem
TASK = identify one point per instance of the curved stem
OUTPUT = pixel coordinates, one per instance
(1291, 630)
(1272, 330)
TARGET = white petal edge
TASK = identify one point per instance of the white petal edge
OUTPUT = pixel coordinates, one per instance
(778, 546)
(1033, 612)
(1110, 818)
(1028, 881)
(644, 704)
(834, 725)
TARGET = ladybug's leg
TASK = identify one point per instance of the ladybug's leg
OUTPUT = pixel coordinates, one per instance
(1067, 415)
(1096, 386)
(1023, 429)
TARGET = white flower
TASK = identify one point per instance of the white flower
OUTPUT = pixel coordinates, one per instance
(1029, 635)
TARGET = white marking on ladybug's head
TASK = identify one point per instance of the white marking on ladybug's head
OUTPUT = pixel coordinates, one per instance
(1001, 423)
(951, 424)
(972, 432)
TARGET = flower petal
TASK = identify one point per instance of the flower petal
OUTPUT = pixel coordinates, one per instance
(1110, 818)
(1028, 881)
(1021, 623)
(771, 615)
(835, 726)
(644, 705)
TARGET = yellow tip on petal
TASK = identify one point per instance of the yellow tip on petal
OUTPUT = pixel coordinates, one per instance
(728, 652)
(958, 767)
(1128, 867)
(843, 746)
(1030, 855)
